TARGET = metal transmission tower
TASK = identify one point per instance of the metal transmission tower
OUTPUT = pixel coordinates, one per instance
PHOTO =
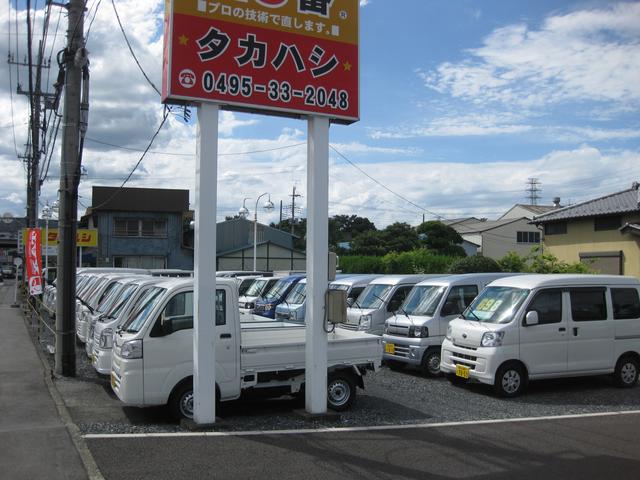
(76, 107)
(533, 190)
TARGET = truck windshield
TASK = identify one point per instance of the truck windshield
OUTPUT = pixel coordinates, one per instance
(373, 296)
(255, 288)
(423, 300)
(496, 304)
(298, 294)
(277, 291)
(139, 316)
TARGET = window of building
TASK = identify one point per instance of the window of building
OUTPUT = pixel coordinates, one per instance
(607, 223)
(626, 303)
(556, 228)
(588, 304)
(139, 261)
(528, 237)
(143, 228)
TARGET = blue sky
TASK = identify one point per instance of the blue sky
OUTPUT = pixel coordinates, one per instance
(461, 102)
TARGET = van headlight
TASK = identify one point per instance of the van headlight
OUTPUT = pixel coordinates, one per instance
(418, 332)
(365, 322)
(386, 328)
(248, 305)
(448, 334)
(492, 339)
(131, 349)
(106, 338)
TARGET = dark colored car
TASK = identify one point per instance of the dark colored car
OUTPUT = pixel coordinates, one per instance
(266, 306)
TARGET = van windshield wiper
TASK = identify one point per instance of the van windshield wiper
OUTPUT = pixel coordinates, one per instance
(470, 310)
(92, 310)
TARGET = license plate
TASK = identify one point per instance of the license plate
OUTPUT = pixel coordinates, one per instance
(390, 348)
(113, 381)
(462, 371)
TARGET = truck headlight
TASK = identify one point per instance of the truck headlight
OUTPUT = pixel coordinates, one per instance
(268, 306)
(448, 334)
(106, 338)
(248, 305)
(365, 322)
(293, 315)
(131, 349)
(418, 332)
(386, 328)
(491, 339)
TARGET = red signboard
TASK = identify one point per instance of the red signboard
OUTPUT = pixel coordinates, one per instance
(34, 261)
(291, 57)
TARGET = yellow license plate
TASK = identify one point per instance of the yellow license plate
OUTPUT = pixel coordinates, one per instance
(113, 381)
(462, 371)
(390, 348)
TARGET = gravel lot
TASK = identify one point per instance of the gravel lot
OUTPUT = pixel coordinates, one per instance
(389, 398)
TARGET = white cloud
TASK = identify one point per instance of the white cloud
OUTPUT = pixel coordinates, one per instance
(582, 55)
(14, 198)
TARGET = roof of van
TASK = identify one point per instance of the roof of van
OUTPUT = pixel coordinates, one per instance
(465, 277)
(398, 279)
(553, 279)
(355, 279)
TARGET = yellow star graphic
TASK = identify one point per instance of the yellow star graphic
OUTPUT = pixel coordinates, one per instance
(347, 66)
(183, 39)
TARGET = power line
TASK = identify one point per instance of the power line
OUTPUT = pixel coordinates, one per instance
(165, 115)
(383, 185)
(131, 49)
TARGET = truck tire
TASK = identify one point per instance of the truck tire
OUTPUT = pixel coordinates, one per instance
(341, 391)
(510, 380)
(181, 401)
(430, 365)
(626, 374)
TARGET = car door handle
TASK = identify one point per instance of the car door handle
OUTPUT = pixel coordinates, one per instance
(575, 331)
(562, 329)
(225, 335)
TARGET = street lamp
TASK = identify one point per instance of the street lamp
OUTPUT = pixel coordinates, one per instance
(244, 211)
(268, 206)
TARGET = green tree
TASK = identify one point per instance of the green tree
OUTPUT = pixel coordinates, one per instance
(400, 237)
(369, 243)
(512, 262)
(440, 238)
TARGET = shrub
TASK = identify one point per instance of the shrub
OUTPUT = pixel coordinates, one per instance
(475, 264)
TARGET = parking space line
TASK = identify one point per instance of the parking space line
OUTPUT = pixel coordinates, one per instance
(374, 428)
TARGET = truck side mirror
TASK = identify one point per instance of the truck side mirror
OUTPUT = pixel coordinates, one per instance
(531, 318)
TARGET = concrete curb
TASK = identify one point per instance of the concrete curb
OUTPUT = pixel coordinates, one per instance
(90, 465)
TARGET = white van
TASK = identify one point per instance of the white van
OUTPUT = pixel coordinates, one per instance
(546, 326)
(379, 300)
(415, 334)
(257, 289)
(353, 285)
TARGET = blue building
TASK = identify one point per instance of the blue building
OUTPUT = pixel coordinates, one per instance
(139, 228)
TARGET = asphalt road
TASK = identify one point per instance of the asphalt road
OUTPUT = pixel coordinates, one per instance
(580, 448)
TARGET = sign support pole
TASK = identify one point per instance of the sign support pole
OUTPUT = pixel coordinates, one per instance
(204, 400)
(317, 264)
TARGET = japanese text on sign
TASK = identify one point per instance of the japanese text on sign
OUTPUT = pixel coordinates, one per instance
(284, 56)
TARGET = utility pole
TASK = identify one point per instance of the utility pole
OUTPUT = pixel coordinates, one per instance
(74, 60)
(294, 195)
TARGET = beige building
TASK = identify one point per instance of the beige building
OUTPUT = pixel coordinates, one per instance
(603, 232)
(496, 238)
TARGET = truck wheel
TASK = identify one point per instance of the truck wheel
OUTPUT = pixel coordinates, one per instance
(181, 401)
(430, 364)
(510, 380)
(341, 391)
(626, 374)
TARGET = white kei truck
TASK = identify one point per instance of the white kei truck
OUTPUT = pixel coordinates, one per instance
(152, 360)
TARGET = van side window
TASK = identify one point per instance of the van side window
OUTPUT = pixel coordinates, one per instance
(588, 304)
(221, 307)
(626, 303)
(458, 299)
(355, 292)
(548, 304)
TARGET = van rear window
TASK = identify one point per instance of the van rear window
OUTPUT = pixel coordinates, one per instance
(626, 303)
(588, 304)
